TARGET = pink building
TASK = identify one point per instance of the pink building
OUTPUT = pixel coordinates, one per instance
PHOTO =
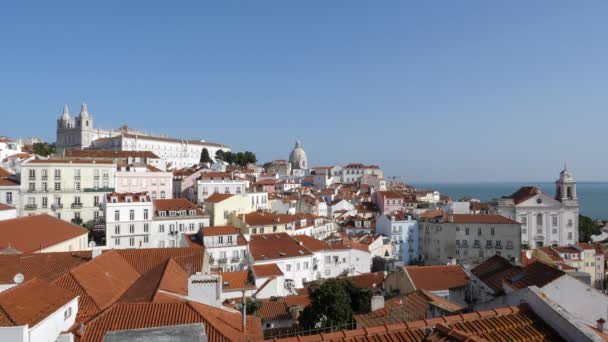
(389, 201)
(144, 178)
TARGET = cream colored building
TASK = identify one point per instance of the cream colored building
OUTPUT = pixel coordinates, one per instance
(71, 190)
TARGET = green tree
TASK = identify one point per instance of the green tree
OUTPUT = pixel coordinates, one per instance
(586, 228)
(42, 149)
(333, 305)
(205, 157)
(219, 155)
(250, 157)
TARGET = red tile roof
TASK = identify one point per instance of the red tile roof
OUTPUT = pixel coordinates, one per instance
(46, 266)
(516, 323)
(4, 172)
(268, 270)
(275, 246)
(220, 230)
(121, 197)
(524, 193)
(368, 280)
(218, 197)
(236, 281)
(175, 204)
(537, 273)
(33, 233)
(412, 307)
(220, 325)
(494, 271)
(8, 182)
(31, 302)
(436, 278)
(311, 243)
(278, 309)
(145, 259)
(6, 207)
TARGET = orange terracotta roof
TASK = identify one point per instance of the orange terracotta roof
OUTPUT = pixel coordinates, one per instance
(218, 197)
(275, 246)
(494, 270)
(4, 172)
(6, 207)
(430, 214)
(8, 182)
(391, 194)
(32, 233)
(515, 323)
(268, 270)
(537, 273)
(278, 309)
(121, 197)
(45, 266)
(220, 325)
(175, 204)
(524, 193)
(236, 281)
(31, 302)
(368, 280)
(311, 243)
(145, 259)
(220, 230)
(412, 307)
(435, 278)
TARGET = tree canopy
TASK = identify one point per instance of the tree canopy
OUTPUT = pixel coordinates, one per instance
(333, 305)
(586, 228)
(41, 149)
(240, 158)
(205, 157)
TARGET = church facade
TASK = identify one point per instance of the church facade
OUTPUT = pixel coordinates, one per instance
(79, 133)
(545, 220)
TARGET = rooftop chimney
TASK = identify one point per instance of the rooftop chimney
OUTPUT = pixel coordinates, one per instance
(377, 302)
(600, 324)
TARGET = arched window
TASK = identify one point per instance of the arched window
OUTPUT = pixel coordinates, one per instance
(569, 192)
(539, 220)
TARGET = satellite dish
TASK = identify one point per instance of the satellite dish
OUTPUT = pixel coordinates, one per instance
(18, 279)
(92, 244)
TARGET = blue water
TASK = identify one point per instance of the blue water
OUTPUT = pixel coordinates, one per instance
(592, 196)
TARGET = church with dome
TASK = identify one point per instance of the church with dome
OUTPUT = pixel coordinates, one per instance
(298, 160)
(545, 220)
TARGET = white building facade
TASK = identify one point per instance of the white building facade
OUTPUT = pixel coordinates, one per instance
(545, 220)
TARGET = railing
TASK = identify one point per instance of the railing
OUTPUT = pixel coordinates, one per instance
(45, 177)
(222, 261)
(57, 178)
(76, 205)
(57, 206)
(498, 247)
(234, 260)
(30, 207)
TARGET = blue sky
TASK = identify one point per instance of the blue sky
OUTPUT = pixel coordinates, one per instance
(430, 90)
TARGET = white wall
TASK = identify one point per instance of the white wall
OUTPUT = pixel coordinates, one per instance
(50, 328)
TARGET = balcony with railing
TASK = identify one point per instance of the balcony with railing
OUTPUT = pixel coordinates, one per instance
(76, 205)
(30, 207)
(56, 206)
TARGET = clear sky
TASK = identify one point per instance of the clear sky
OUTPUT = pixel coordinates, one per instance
(430, 90)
